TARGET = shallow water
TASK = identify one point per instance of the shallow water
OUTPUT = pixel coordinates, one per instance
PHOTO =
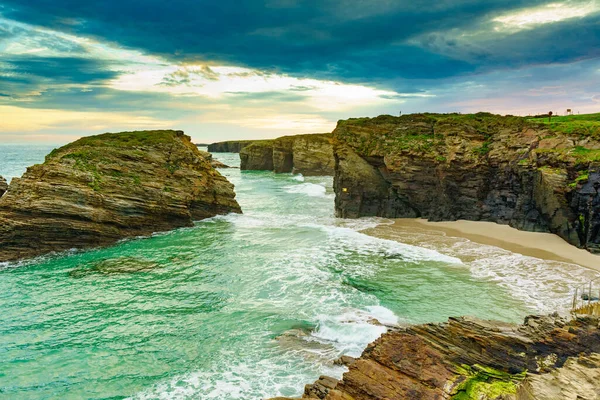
(237, 307)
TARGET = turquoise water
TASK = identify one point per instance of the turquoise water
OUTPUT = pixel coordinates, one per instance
(238, 307)
(15, 158)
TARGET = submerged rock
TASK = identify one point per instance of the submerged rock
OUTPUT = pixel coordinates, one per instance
(3, 186)
(103, 188)
(466, 358)
(478, 167)
(309, 155)
(110, 266)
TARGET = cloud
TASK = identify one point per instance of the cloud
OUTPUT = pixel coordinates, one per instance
(268, 67)
(330, 39)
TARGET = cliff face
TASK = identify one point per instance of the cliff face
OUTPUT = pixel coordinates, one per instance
(232, 146)
(310, 155)
(474, 167)
(3, 186)
(546, 358)
(103, 188)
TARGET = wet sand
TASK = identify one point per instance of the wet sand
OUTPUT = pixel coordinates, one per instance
(533, 244)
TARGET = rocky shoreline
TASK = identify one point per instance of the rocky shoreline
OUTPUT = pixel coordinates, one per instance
(544, 358)
(100, 189)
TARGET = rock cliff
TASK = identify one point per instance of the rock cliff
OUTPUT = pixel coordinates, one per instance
(100, 189)
(3, 186)
(546, 358)
(232, 146)
(310, 155)
(486, 167)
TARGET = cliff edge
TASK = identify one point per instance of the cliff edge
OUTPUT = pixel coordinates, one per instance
(443, 167)
(103, 188)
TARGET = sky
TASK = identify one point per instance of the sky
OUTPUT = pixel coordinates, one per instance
(246, 69)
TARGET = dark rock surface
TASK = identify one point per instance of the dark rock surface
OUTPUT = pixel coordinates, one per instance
(466, 358)
(100, 189)
(473, 167)
(3, 186)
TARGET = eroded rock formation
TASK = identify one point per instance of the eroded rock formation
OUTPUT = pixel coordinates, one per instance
(546, 358)
(310, 155)
(474, 167)
(103, 188)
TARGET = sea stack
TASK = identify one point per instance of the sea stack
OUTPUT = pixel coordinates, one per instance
(100, 189)
(309, 155)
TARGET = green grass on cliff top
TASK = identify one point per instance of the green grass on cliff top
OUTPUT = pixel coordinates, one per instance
(586, 125)
(128, 139)
(581, 125)
(121, 140)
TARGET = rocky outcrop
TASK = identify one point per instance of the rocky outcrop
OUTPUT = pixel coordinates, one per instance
(475, 167)
(232, 146)
(215, 163)
(103, 188)
(545, 358)
(3, 186)
(310, 155)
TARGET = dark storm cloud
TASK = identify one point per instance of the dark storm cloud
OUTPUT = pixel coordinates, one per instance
(357, 41)
(57, 70)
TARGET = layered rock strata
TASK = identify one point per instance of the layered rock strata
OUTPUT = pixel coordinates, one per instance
(310, 155)
(103, 188)
(474, 167)
(545, 358)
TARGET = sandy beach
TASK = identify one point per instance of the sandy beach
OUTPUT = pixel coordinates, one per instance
(533, 244)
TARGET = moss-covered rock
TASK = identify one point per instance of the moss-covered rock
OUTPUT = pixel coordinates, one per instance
(103, 188)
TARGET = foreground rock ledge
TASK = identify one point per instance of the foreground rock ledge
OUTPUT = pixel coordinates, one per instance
(546, 358)
(100, 189)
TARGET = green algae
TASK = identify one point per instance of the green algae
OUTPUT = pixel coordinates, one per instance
(485, 383)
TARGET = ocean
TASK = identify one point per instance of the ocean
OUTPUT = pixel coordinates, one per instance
(242, 306)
